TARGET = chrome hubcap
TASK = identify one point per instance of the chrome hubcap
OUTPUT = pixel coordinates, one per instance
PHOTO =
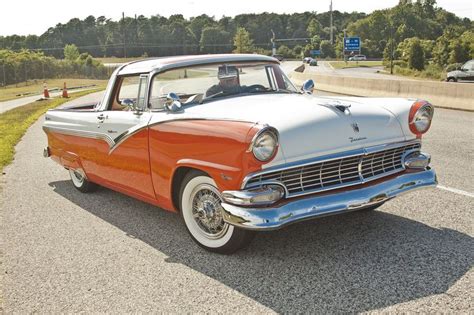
(207, 211)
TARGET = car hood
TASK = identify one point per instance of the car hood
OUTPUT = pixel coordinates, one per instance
(311, 126)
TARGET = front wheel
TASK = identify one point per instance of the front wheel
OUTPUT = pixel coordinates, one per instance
(452, 80)
(80, 181)
(200, 205)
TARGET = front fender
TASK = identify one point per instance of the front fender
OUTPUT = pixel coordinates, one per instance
(217, 147)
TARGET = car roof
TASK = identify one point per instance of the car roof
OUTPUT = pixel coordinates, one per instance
(168, 63)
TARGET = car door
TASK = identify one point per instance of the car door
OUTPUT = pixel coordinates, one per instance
(125, 163)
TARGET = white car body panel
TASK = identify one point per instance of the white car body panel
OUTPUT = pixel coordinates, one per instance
(309, 126)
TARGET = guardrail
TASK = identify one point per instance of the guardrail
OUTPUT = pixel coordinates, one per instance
(440, 94)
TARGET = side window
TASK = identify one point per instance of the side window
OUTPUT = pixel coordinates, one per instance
(129, 88)
(131, 91)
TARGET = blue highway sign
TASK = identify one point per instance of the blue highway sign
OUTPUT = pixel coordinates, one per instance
(352, 43)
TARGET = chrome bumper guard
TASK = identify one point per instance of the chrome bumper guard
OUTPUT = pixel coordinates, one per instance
(318, 205)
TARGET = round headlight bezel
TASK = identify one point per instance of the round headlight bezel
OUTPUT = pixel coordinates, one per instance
(265, 134)
(420, 118)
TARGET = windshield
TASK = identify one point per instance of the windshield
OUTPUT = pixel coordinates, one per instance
(203, 83)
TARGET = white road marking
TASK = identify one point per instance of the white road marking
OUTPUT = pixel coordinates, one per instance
(456, 191)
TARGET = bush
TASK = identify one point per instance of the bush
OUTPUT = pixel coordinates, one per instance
(28, 65)
(327, 50)
(297, 51)
(453, 66)
(285, 52)
(416, 56)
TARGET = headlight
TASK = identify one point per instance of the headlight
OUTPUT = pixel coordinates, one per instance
(421, 115)
(265, 144)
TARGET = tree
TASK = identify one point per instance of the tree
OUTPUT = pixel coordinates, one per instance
(242, 41)
(416, 56)
(213, 40)
(314, 28)
(285, 51)
(327, 50)
(459, 53)
(316, 41)
(298, 50)
(71, 52)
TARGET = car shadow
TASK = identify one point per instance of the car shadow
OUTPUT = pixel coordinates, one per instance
(349, 263)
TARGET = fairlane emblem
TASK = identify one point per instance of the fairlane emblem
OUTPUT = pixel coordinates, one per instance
(355, 127)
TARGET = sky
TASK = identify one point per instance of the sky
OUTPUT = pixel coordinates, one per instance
(36, 16)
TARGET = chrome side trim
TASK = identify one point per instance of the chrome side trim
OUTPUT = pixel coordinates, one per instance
(114, 143)
(347, 154)
(81, 133)
(127, 134)
(317, 205)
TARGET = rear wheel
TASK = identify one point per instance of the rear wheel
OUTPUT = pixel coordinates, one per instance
(80, 181)
(201, 210)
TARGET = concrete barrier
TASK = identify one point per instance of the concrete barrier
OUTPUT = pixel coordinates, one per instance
(440, 94)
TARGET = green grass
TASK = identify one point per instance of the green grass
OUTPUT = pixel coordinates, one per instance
(431, 72)
(15, 122)
(36, 87)
(354, 64)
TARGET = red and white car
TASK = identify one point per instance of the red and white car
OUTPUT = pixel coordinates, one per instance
(229, 143)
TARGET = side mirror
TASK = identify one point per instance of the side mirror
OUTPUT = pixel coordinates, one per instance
(308, 87)
(173, 104)
(129, 103)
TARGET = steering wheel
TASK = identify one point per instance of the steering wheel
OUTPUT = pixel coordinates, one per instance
(255, 88)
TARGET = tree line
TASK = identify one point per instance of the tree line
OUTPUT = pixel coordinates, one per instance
(175, 35)
(26, 65)
(444, 38)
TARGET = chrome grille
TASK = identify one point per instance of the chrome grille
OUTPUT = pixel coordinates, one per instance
(335, 173)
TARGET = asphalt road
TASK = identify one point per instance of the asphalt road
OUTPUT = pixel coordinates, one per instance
(362, 72)
(7, 105)
(64, 251)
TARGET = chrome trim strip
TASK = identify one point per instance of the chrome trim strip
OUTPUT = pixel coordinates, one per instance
(81, 133)
(327, 158)
(270, 218)
(127, 134)
(114, 143)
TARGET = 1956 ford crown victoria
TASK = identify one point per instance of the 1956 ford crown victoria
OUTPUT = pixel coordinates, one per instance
(229, 143)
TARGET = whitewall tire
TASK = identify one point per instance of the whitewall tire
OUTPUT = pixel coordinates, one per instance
(201, 210)
(80, 182)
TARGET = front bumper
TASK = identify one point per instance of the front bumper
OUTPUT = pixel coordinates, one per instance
(322, 204)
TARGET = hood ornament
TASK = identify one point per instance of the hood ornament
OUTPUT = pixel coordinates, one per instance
(341, 106)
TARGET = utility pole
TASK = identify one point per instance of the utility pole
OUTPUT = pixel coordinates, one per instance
(330, 10)
(123, 34)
